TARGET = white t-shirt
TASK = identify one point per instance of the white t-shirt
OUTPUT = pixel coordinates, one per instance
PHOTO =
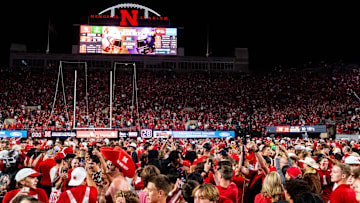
(54, 173)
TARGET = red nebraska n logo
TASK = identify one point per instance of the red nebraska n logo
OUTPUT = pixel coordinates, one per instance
(125, 15)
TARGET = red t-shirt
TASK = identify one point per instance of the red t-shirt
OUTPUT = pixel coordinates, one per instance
(197, 160)
(79, 194)
(239, 181)
(223, 199)
(260, 198)
(209, 178)
(28, 147)
(326, 184)
(44, 168)
(38, 193)
(231, 191)
(343, 193)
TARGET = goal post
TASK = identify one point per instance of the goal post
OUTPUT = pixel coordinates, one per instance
(87, 102)
(134, 98)
(112, 85)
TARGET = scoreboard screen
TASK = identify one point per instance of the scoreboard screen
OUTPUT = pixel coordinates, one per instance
(127, 40)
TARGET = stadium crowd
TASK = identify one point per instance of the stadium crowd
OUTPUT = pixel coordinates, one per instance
(180, 170)
(169, 100)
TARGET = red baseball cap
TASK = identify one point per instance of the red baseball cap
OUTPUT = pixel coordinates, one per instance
(68, 150)
(60, 155)
(294, 172)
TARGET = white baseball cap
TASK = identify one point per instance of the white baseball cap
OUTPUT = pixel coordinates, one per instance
(77, 176)
(132, 145)
(26, 172)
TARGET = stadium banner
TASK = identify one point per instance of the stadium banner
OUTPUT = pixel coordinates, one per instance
(132, 134)
(37, 134)
(13, 133)
(125, 134)
(347, 137)
(203, 134)
(47, 134)
(162, 134)
(297, 129)
(146, 133)
(59, 134)
(96, 134)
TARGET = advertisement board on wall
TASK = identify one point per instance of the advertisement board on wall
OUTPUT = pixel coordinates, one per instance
(96, 134)
(13, 133)
(203, 134)
(37, 134)
(162, 134)
(146, 133)
(63, 134)
(124, 134)
(297, 129)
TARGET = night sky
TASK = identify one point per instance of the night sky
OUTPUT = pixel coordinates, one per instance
(275, 34)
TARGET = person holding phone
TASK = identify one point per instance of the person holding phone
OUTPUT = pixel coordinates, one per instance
(26, 181)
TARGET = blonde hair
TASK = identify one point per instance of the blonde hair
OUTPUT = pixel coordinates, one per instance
(129, 195)
(148, 172)
(272, 186)
(207, 191)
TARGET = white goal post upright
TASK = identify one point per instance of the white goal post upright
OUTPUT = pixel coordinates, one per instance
(134, 92)
(60, 74)
(74, 122)
(87, 103)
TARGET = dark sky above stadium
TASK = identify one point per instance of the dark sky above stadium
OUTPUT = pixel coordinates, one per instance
(274, 34)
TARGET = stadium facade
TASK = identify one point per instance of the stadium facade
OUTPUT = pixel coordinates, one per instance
(238, 63)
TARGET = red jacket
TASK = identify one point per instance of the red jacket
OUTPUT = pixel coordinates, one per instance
(343, 194)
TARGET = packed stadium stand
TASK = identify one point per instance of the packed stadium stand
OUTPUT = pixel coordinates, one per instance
(183, 100)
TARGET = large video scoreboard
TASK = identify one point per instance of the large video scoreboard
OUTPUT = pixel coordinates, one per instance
(127, 40)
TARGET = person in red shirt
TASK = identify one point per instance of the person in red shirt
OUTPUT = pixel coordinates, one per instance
(223, 176)
(271, 190)
(324, 173)
(256, 176)
(343, 193)
(206, 151)
(84, 188)
(27, 179)
(208, 193)
(44, 168)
